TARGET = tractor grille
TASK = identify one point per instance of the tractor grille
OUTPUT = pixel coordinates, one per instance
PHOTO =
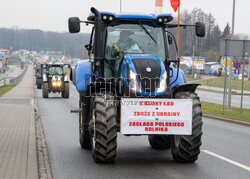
(149, 80)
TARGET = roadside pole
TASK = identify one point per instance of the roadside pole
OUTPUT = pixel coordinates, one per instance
(225, 81)
(230, 84)
(120, 6)
(248, 68)
(243, 71)
(231, 63)
(193, 63)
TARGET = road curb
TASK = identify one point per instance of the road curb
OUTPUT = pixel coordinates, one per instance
(32, 168)
(44, 168)
(227, 120)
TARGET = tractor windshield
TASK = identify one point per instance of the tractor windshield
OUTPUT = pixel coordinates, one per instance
(55, 70)
(138, 38)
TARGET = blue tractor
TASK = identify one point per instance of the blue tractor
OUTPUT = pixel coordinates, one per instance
(129, 59)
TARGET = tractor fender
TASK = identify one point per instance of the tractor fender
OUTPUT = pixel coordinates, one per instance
(45, 79)
(184, 88)
(83, 74)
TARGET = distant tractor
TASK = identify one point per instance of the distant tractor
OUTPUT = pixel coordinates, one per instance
(129, 84)
(55, 80)
(40, 70)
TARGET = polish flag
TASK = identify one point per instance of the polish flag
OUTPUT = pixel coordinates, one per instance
(158, 6)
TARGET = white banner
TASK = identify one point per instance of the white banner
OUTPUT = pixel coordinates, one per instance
(156, 116)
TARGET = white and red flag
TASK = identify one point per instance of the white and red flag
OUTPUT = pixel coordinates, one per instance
(158, 6)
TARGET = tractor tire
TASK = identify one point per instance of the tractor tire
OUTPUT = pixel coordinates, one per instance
(104, 129)
(186, 148)
(84, 135)
(62, 94)
(66, 90)
(39, 86)
(160, 141)
(45, 90)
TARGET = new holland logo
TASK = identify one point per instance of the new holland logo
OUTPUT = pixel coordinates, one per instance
(148, 69)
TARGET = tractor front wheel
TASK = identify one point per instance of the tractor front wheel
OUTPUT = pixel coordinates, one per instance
(103, 128)
(186, 148)
(66, 90)
(45, 90)
(84, 135)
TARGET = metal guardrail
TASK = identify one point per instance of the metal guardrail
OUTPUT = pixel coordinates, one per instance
(16, 80)
(12, 80)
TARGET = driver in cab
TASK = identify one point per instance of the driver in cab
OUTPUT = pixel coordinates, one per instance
(125, 44)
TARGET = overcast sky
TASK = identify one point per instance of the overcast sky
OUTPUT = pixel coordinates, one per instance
(52, 15)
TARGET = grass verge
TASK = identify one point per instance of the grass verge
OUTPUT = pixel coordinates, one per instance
(219, 82)
(216, 110)
(5, 89)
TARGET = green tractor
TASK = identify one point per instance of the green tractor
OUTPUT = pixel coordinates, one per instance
(55, 80)
(39, 75)
(130, 85)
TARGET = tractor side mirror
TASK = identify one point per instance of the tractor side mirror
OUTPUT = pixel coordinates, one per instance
(74, 24)
(200, 29)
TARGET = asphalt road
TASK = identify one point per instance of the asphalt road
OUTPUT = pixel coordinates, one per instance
(218, 98)
(225, 150)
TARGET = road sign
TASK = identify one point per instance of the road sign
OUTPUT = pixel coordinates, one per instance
(237, 71)
(224, 62)
(237, 66)
(234, 48)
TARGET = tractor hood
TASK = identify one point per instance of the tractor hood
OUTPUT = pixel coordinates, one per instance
(144, 74)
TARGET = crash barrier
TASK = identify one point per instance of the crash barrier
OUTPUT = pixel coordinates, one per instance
(2, 81)
(17, 79)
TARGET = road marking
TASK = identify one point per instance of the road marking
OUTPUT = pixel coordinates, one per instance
(227, 160)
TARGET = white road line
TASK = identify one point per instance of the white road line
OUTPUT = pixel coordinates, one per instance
(227, 160)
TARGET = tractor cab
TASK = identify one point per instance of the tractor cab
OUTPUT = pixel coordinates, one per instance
(133, 49)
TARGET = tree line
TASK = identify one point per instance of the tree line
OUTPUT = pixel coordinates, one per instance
(38, 40)
(208, 46)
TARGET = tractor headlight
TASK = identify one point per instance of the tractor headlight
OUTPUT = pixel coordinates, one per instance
(59, 83)
(54, 83)
(133, 82)
(110, 18)
(163, 84)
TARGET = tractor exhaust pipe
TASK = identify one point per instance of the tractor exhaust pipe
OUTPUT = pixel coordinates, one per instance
(98, 32)
(98, 53)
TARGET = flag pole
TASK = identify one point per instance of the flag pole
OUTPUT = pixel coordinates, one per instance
(178, 49)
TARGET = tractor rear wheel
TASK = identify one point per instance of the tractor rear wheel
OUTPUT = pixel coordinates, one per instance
(66, 90)
(104, 129)
(84, 135)
(160, 141)
(186, 148)
(45, 90)
(39, 86)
